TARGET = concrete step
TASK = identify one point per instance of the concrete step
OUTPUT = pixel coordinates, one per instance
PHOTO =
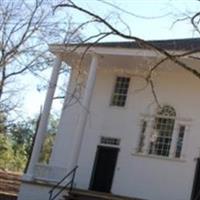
(91, 195)
(5, 196)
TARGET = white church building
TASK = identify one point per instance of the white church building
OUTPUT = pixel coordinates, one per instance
(128, 137)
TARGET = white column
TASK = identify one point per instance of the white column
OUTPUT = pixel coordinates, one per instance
(42, 129)
(67, 100)
(79, 132)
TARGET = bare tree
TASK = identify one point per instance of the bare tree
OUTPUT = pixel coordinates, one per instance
(26, 27)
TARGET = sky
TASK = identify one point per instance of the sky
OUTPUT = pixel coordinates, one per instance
(147, 19)
(153, 19)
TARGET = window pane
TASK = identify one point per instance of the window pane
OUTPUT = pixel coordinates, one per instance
(163, 129)
(179, 142)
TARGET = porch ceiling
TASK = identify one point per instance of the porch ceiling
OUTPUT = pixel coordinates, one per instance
(115, 57)
(108, 61)
(107, 57)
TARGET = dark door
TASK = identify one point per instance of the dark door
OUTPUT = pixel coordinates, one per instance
(104, 168)
(196, 184)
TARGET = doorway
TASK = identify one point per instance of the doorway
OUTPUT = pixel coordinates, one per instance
(104, 169)
(196, 183)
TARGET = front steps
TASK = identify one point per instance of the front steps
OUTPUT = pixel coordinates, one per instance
(6, 196)
(92, 195)
(9, 185)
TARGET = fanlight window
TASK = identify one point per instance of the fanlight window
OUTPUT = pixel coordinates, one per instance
(167, 111)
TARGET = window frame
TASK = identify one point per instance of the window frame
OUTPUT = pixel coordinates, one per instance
(113, 91)
(162, 134)
(150, 120)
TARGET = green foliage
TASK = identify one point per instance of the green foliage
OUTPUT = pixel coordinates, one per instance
(19, 160)
(22, 136)
(47, 149)
(49, 140)
(16, 143)
(6, 154)
(2, 123)
(9, 159)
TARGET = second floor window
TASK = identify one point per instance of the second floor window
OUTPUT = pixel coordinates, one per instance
(120, 92)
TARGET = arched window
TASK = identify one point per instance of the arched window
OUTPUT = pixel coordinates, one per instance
(167, 111)
(161, 136)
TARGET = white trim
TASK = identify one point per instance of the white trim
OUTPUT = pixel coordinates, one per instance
(117, 51)
(109, 145)
(183, 120)
(158, 157)
(104, 51)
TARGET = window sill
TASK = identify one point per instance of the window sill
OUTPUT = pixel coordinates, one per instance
(159, 157)
(118, 107)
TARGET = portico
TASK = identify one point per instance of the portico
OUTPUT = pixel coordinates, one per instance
(42, 129)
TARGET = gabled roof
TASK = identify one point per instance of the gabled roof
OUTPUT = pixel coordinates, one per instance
(177, 44)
